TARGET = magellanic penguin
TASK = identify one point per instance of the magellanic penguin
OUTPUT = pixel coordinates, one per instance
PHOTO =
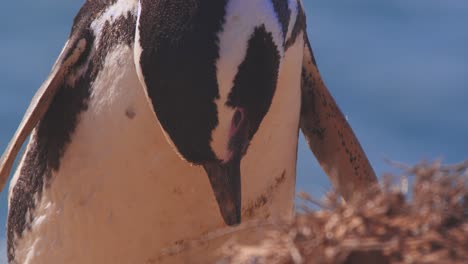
(163, 120)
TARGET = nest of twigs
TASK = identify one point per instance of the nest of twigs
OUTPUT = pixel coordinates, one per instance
(427, 223)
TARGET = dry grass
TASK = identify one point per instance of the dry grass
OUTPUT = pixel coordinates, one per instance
(431, 226)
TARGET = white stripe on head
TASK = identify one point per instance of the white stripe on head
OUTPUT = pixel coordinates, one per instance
(242, 17)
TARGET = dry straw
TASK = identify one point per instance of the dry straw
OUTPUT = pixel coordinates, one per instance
(427, 224)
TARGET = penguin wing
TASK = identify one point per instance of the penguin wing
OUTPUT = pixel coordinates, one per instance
(40, 103)
(329, 135)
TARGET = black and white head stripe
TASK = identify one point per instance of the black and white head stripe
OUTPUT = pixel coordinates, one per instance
(210, 69)
(283, 13)
(297, 25)
(242, 20)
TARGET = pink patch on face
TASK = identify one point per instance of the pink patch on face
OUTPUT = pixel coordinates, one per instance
(236, 122)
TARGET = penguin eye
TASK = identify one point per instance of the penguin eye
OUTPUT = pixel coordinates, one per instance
(237, 118)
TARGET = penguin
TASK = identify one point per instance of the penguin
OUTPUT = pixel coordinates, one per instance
(164, 120)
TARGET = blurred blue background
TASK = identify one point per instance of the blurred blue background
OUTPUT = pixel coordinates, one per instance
(398, 69)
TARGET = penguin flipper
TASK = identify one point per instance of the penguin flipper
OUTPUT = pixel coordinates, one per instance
(40, 103)
(329, 135)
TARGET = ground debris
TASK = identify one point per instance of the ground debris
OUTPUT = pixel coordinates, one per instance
(425, 224)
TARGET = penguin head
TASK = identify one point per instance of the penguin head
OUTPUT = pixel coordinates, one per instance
(209, 101)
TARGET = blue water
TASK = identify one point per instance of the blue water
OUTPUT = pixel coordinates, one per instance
(398, 69)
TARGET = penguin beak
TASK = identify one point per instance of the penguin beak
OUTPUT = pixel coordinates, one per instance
(225, 180)
(225, 177)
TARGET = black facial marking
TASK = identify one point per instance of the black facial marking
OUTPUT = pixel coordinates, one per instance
(180, 50)
(299, 26)
(256, 80)
(284, 13)
(54, 132)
